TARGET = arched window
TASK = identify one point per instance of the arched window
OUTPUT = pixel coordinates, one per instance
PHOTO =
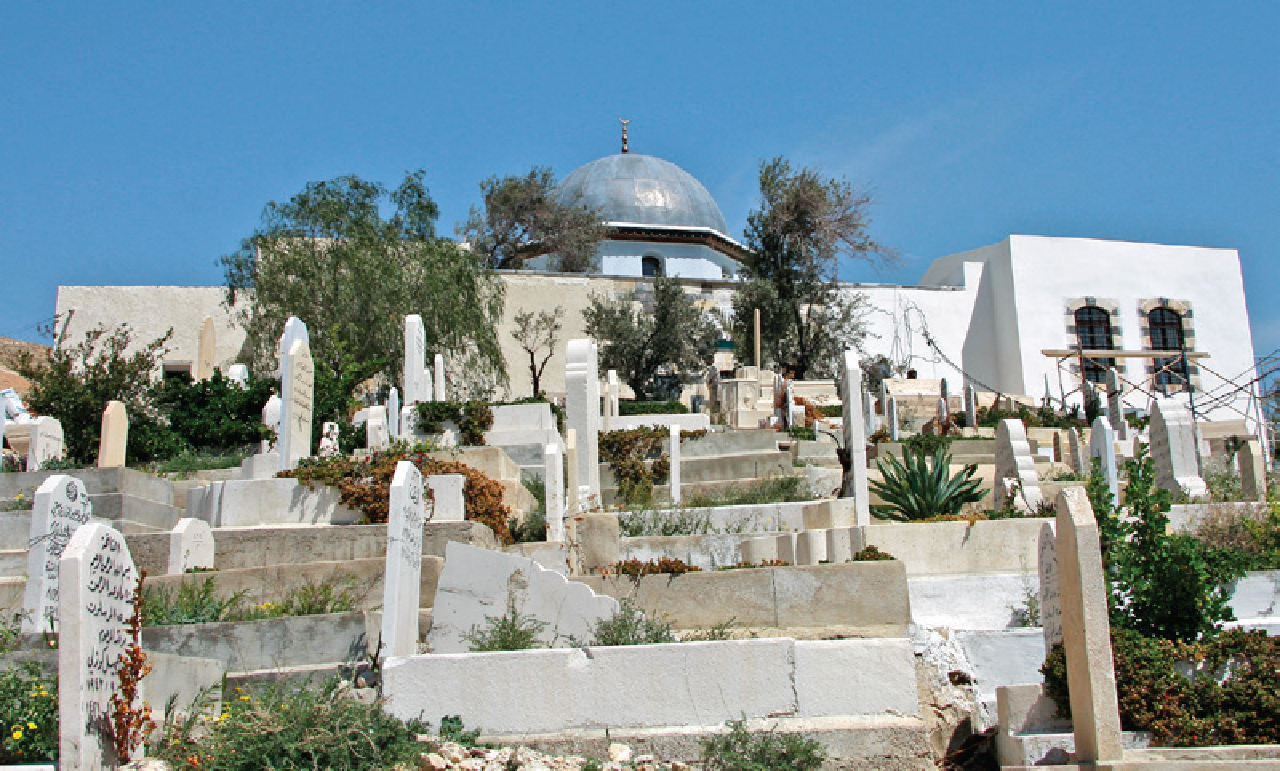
(651, 267)
(1167, 335)
(1093, 332)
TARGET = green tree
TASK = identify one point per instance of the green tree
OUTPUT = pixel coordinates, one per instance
(805, 225)
(77, 380)
(329, 256)
(650, 342)
(537, 334)
(523, 218)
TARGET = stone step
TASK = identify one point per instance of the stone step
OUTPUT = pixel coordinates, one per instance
(13, 562)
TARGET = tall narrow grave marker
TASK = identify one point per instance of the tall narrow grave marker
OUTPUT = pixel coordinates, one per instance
(553, 479)
(439, 384)
(1050, 590)
(191, 546)
(1016, 482)
(206, 355)
(61, 507)
(450, 502)
(114, 437)
(401, 586)
(393, 412)
(1102, 445)
(1173, 448)
(46, 442)
(417, 385)
(297, 405)
(673, 476)
(855, 439)
(582, 405)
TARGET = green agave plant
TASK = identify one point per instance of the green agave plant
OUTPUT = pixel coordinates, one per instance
(918, 487)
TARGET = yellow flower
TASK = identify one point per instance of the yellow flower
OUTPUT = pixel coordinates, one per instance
(31, 725)
(17, 734)
(244, 698)
(43, 692)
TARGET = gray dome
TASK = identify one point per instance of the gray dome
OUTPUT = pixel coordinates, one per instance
(644, 190)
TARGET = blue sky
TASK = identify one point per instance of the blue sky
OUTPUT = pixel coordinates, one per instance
(139, 142)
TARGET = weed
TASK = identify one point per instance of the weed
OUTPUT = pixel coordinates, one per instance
(871, 554)
(745, 750)
(513, 630)
(716, 633)
(20, 502)
(189, 461)
(200, 603)
(629, 626)
(667, 565)
(452, 730)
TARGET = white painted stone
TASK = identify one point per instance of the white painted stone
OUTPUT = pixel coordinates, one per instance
(572, 489)
(1115, 406)
(294, 330)
(447, 491)
(408, 422)
(114, 437)
(758, 550)
(263, 465)
(611, 407)
(238, 374)
(1102, 445)
(191, 546)
(271, 419)
(476, 583)
(582, 408)
(855, 677)
(297, 405)
(786, 547)
(693, 421)
(46, 442)
(439, 388)
(892, 418)
(206, 353)
(417, 385)
(553, 479)
(843, 543)
(855, 439)
(1050, 599)
(811, 547)
(98, 580)
(401, 586)
(1015, 466)
(60, 507)
(1173, 448)
(393, 412)
(376, 435)
(674, 475)
(330, 447)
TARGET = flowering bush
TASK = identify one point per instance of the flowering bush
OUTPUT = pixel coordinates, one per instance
(29, 710)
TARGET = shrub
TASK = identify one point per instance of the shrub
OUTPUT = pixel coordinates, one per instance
(666, 565)
(745, 750)
(472, 419)
(918, 487)
(926, 444)
(831, 410)
(629, 626)
(803, 433)
(636, 459)
(284, 726)
(512, 631)
(768, 490)
(1183, 704)
(665, 522)
(29, 709)
(199, 603)
(214, 414)
(871, 554)
(651, 408)
(531, 529)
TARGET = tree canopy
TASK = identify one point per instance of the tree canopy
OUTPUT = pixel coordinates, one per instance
(805, 226)
(523, 219)
(652, 342)
(329, 256)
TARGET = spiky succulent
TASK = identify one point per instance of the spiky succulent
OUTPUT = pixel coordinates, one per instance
(918, 487)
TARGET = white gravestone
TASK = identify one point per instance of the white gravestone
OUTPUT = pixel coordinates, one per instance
(572, 491)
(855, 439)
(891, 418)
(114, 437)
(1115, 406)
(393, 412)
(206, 353)
(1075, 451)
(409, 422)
(376, 435)
(294, 330)
(868, 413)
(298, 402)
(271, 419)
(447, 491)
(329, 445)
(674, 474)
(238, 374)
(1050, 603)
(553, 479)
(61, 507)
(1015, 468)
(401, 585)
(1102, 445)
(417, 386)
(191, 546)
(98, 581)
(582, 407)
(439, 388)
(46, 442)
(970, 406)
(1173, 448)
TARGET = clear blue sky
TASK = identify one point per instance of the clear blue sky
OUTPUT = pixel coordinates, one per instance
(139, 142)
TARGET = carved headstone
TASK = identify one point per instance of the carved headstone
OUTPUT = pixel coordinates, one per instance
(190, 546)
(98, 580)
(854, 483)
(1086, 632)
(114, 437)
(329, 444)
(1015, 468)
(1050, 601)
(439, 380)
(447, 491)
(393, 412)
(238, 374)
(401, 586)
(376, 435)
(1173, 448)
(417, 384)
(46, 442)
(674, 474)
(1075, 451)
(1115, 406)
(1102, 445)
(582, 408)
(61, 507)
(206, 354)
(611, 399)
(297, 403)
(294, 330)
(891, 418)
(553, 479)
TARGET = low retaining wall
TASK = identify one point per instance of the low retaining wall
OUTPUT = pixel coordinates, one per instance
(871, 596)
(274, 501)
(970, 601)
(271, 643)
(676, 684)
(985, 546)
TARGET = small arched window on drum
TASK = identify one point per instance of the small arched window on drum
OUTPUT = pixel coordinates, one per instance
(1093, 331)
(651, 267)
(1167, 335)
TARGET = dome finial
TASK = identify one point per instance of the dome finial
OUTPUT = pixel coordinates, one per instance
(624, 133)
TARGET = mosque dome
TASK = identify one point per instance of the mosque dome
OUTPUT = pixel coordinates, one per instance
(643, 190)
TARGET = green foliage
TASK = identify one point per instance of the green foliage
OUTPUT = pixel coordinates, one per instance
(636, 460)
(512, 631)
(200, 602)
(285, 726)
(77, 380)
(1041, 417)
(803, 433)
(745, 750)
(1164, 585)
(1172, 689)
(629, 626)
(639, 337)
(452, 730)
(627, 407)
(189, 461)
(871, 554)
(532, 529)
(472, 418)
(665, 522)
(523, 218)
(918, 487)
(540, 398)
(831, 410)
(330, 257)
(29, 711)
(767, 490)
(926, 444)
(214, 414)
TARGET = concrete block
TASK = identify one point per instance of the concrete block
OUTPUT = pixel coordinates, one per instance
(855, 677)
(181, 678)
(969, 601)
(265, 644)
(599, 542)
(1002, 658)
(855, 594)
(844, 542)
